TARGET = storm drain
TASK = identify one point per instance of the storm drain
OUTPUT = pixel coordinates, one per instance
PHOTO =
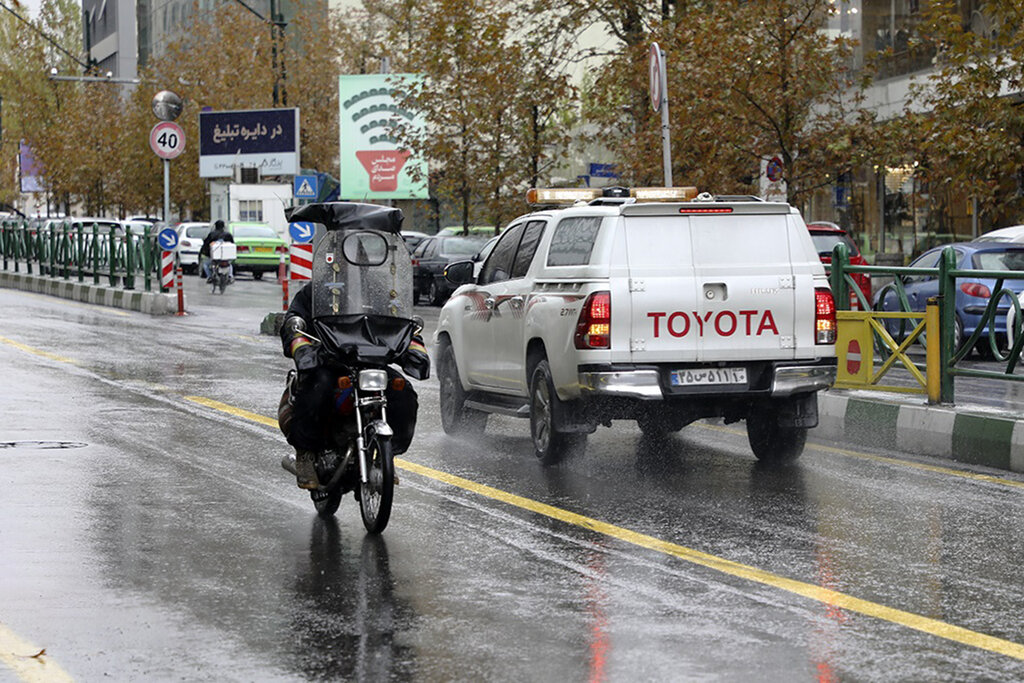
(42, 444)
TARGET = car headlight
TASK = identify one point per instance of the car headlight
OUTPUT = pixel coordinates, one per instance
(373, 380)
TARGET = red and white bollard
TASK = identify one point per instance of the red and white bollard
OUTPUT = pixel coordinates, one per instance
(166, 270)
(284, 294)
(181, 295)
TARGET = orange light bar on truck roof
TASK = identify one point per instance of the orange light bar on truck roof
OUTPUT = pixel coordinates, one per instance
(663, 194)
(561, 195)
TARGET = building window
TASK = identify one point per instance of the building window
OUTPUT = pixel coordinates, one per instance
(250, 210)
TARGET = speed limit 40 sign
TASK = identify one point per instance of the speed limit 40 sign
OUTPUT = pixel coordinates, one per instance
(167, 139)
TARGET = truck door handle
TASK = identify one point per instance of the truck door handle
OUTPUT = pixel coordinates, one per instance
(489, 303)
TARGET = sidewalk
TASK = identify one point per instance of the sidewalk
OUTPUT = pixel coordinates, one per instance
(154, 303)
(990, 434)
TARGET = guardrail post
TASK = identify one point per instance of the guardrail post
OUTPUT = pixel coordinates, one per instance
(147, 259)
(95, 249)
(947, 322)
(840, 292)
(933, 350)
(24, 246)
(80, 252)
(3, 241)
(129, 260)
(112, 256)
(62, 254)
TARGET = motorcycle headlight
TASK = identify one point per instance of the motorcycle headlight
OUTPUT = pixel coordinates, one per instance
(373, 380)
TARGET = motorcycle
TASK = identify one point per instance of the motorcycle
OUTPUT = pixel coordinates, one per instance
(362, 323)
(221, 256)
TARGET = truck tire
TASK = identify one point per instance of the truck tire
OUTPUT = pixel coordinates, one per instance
(772, 442)
(456, 418)
(550, 445)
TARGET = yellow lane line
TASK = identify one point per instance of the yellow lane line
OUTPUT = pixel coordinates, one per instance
(813, 592)
(232, 410)
(37, 352)
(938, 469)
(28, 662)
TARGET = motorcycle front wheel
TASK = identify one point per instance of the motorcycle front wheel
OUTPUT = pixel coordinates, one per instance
(376, 494)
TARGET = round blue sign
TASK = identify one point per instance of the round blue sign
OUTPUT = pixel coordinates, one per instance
(168, 239)
(301, 231)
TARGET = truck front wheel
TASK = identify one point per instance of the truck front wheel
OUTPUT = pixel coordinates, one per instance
(772, 442)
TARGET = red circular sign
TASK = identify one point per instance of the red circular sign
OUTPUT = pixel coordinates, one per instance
(167, 140)
(774, 169)
(655, 77)
(853, 357)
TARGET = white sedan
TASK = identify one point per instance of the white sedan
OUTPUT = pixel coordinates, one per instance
(190, 240)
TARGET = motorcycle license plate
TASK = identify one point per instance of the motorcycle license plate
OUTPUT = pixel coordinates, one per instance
(708, 376)
(264, 250)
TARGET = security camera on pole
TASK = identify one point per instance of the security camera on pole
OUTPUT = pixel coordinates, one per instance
(659, 102)
(167, 140)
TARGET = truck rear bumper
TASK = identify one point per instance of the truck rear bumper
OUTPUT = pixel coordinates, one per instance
(798, 379)
(650, 383)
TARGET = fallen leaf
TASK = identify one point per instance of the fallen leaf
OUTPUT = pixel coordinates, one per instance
(38, 654)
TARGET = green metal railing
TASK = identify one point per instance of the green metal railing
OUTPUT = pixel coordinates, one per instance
(65, 251)
(951, 350)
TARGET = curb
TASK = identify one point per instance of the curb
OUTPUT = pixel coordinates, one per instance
(154, 303)
(969, 434)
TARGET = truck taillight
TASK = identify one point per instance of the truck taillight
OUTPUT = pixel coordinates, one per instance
(594, 327)
(824, 317)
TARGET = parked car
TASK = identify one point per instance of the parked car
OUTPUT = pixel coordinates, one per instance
(430, 259)
(412, 239)
(478, 230)
(190, 241)
(972, 294)
(826, 236)
(1014, 233)
(259, 248)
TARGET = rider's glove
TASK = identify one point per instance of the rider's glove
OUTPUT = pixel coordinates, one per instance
(305, 357)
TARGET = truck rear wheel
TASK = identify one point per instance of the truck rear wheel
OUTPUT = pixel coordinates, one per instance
(772, 442)
(550, 445)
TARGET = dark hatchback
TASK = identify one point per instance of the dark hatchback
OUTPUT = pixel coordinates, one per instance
(432, 256)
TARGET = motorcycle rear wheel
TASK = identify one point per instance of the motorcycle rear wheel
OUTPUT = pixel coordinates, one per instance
(326, 502)
(376, 495)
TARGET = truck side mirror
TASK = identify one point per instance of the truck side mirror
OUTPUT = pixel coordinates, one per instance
(459, 273)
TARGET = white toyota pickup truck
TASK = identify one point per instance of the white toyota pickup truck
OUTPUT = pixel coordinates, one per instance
(623, 308)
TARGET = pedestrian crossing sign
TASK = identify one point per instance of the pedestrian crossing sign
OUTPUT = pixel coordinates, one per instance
(305, 187)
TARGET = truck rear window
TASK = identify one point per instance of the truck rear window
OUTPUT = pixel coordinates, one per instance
(573, 241)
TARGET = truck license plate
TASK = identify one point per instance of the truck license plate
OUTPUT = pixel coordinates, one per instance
(705, 376)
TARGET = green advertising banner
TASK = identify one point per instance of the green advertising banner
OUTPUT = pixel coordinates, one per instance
(372, 164)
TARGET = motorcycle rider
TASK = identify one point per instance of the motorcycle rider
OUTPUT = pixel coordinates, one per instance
(218, 234)
(314, 390)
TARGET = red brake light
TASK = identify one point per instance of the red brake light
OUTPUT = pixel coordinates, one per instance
(975, 289)
(241, 248)
(824, 317)
(282, 249)
(415, 262)
(594, 327)
(720, 209)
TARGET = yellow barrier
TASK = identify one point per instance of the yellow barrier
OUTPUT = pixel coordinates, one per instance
(857, 331)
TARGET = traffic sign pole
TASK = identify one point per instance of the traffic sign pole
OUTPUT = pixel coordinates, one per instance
(167, 191)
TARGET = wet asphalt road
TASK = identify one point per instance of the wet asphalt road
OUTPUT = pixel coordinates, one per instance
(164, 542)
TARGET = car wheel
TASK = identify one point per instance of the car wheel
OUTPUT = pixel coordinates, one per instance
(434, 294)
(257, 275)
(550, 445)
(455, 417)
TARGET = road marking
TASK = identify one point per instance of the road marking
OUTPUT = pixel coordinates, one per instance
(811, 591)
(38, 352)
(938, 469)
(28, 662)
(232, 410)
